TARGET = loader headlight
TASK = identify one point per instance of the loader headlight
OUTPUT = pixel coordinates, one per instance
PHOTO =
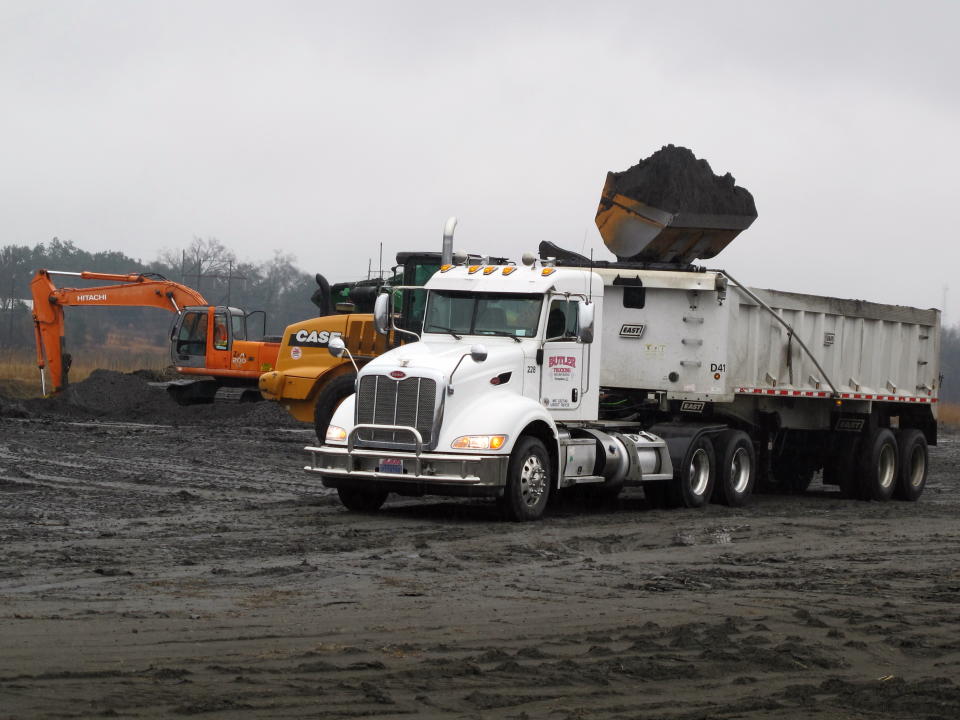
(479, 442)
(336, 434)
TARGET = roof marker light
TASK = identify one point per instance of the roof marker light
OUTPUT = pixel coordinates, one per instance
(548, 271)
(509, 269)
(473, 268)
(489, 269)
(444, 268)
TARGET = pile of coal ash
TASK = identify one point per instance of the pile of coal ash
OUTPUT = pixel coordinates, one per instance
(673, 179)
(130, 397)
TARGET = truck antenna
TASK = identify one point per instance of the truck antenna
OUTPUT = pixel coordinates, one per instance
(380, 268)
(590, 280)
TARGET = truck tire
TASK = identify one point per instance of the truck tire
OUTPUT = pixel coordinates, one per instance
(914, 460)
(528, 481)
(877, 466)
(362, 500)
(693, 484)
(736, 467)
(329, 399)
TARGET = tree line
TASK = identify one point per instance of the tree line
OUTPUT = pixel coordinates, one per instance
(275, 286)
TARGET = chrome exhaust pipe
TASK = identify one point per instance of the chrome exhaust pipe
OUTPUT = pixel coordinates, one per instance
(446, 253)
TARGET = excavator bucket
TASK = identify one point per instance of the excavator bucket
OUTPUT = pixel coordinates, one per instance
(634, 230)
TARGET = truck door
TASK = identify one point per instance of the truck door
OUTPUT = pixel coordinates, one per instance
(562, 371)
(190, 338)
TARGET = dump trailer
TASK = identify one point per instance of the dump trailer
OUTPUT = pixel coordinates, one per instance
(646, 371)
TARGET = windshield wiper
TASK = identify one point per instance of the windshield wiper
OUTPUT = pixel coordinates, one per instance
(443, 329)
(502, 333)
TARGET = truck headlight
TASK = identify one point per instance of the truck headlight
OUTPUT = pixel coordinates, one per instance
(336, 434)
(479, 442)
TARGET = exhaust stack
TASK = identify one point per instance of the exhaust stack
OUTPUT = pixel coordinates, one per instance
(446, 252)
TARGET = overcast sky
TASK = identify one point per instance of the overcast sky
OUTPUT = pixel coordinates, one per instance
(324, 128)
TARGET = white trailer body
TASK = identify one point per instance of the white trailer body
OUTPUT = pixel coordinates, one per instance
(678, 380)
(694, 336)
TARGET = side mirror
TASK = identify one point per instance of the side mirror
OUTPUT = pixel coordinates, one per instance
(381, 313)
(336, 347)
(478, 353)
(585, 322)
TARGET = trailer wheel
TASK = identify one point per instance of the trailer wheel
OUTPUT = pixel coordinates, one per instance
(362, 500)
(877, 469)
(528, 481)
(693, 484)
(736, 468)
(914, 459)
(329, 399)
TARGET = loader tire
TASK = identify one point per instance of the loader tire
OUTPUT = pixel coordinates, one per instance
(736, 468)
(914, 460)
(528, 481)
(877, 467)
(329, 399)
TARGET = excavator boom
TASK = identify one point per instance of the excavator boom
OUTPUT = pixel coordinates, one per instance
(131, 290)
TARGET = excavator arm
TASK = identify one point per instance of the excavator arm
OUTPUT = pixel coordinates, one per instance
(131, 290)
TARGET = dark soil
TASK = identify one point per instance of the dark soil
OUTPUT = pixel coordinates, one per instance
(673, 179)
(190, 567)
(134, 397)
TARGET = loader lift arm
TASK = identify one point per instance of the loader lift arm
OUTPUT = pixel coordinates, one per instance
(137, 290)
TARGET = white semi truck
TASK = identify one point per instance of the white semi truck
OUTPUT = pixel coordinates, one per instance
(560, 372)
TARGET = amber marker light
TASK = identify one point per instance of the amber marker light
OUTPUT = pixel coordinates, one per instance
(508, 270)
(444, 268)
(473, 268)
(479, 442)
(490, 269)
(548, 271)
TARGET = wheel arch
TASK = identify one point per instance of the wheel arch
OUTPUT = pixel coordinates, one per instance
(547, 435)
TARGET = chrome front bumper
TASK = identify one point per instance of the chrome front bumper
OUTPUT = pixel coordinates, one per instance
(434, 471)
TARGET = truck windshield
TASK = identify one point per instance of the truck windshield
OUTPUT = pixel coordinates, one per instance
(470, 313)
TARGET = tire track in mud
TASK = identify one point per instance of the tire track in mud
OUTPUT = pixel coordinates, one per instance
(190, 571)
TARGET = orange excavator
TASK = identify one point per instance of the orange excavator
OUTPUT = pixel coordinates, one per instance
(208, 341)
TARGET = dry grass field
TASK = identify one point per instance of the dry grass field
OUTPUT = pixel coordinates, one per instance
(20, 377)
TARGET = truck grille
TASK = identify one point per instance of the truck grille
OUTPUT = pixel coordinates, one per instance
(410, 402)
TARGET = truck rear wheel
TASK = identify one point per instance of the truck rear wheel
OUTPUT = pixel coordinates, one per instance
(736, 467)
(362, 500)
(329, 399)
(877, 469)
(528, 481)
(693, 483)
(914, 457)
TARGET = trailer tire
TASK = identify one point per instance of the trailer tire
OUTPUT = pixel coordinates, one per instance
(877, 467)
(359, 500)
(329, 399)
(914, 461)
(528, 481)
(693, 484)
(736, 468)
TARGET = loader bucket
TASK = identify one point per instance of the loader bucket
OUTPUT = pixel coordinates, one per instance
(636, 231)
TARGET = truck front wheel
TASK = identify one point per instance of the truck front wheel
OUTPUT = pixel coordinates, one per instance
(528, 481)
(362, 500)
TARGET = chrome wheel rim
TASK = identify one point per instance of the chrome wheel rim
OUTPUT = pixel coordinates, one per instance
(740, 470)
(699, 471)
(533, 480)
(918, 467)
(886, 466)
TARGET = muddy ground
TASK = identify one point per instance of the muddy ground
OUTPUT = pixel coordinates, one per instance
(188, 567)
